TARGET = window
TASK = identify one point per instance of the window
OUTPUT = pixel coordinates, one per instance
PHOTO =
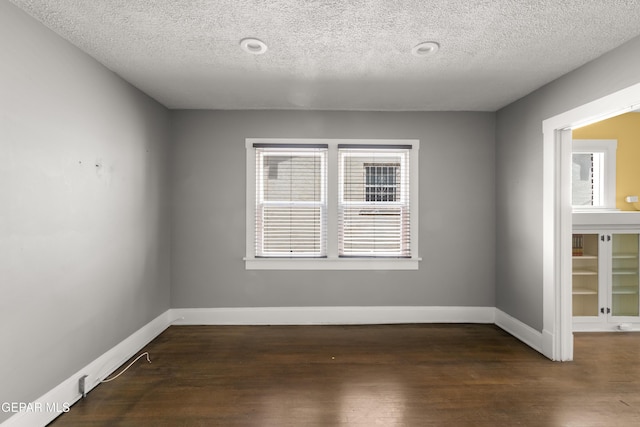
(290, 201)
(381, 182)
(332, 204)
(374, 215)
(593, 179)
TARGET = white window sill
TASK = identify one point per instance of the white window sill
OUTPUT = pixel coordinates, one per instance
(577, 209)
(332, 264)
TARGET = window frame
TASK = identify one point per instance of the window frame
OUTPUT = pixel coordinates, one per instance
(321, 204)
(608, 148)
(368, 153)
(332, 261)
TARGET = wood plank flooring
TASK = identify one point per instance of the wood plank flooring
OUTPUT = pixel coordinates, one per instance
(382, 375)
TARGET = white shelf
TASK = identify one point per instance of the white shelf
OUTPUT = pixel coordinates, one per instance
(584, 291)
(625, 290)
(576, 257)
(584, 272)
(611, 220)
(625, 272)
(625, 256)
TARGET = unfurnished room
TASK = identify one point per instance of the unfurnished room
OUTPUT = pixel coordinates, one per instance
(319, 213)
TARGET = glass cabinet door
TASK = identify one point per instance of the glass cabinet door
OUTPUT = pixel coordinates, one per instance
(624, 280)
(585, 287)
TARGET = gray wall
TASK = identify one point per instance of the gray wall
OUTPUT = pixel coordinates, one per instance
(519, 174)
(84, 218)
(84, 250)
(457, 217)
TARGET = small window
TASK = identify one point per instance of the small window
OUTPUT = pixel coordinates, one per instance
(588, 182)
(593, 178)
(381, 182)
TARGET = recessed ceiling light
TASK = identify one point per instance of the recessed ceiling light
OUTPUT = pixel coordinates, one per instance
(425, 49)
(253, 46)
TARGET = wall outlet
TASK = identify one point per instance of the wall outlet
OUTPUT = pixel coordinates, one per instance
(632, 199)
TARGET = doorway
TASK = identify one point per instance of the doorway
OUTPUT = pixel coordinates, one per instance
(557, 331)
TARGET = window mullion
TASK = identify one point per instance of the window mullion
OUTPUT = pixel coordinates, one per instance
(333, 194)
(412, 177)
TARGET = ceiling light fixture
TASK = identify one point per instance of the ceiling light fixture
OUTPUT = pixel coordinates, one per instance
(253, 46)
(425, 49)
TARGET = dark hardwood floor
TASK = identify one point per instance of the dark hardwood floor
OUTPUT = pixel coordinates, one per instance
(387, 375)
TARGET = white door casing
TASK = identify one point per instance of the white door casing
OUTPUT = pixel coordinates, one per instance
(556, 214)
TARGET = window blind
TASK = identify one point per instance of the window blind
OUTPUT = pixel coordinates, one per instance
(374, 198)
(291, 208)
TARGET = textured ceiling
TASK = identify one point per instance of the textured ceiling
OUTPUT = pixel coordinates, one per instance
(340, 54)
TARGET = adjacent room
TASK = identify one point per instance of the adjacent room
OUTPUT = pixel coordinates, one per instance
(605, 181)
(319, 213)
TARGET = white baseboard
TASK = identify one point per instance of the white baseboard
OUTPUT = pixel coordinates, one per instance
(50, 405)
(606, 327)
(547, 345)
(54, 402)
(330, 315)
(523, 332)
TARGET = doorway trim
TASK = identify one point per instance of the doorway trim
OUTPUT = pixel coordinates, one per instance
(557, 333)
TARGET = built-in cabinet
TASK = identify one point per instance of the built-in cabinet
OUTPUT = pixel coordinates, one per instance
(606, 280)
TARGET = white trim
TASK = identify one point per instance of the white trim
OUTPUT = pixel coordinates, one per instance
(332, 264)
(556, 215)
(548, 343)
(359, 316)
(67, 393)
(414, 173)
(564, 271)
(606, 327)
(521, 331)
(332, 261)
(618, 220)
(331, 315)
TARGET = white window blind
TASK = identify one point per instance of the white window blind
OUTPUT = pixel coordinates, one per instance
(374, 201)
(291, 207)
(593, 174)
(588, 183)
